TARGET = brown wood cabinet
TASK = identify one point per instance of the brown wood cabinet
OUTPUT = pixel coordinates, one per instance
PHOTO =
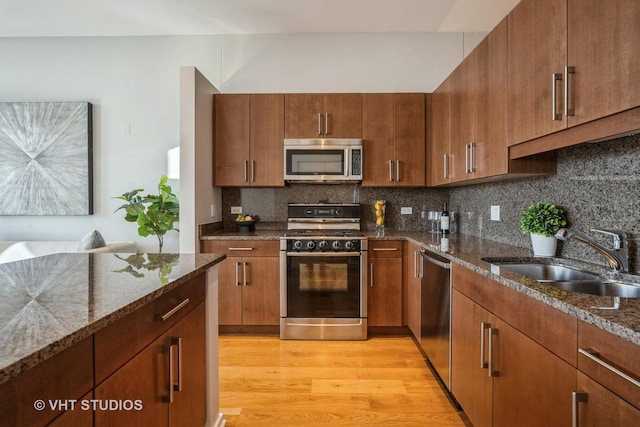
(248, 285)
(317, 115)
(394, 127)
(166, 379)
(249, 138)
(413, 276)
(439, 135)
(384, 293)
(578, 50)
(608, 379)
(502, 373)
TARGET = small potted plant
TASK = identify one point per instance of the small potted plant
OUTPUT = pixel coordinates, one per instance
(541, 221)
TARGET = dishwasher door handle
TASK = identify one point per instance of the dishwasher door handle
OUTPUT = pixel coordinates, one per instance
(446, 265)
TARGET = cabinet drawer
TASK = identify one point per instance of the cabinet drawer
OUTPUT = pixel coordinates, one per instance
(244, 248)
(66, 376)
(385, 249)
(118, 342)
(619, 354)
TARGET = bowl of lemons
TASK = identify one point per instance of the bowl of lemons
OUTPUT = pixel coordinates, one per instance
(245, 223)
(380, 207)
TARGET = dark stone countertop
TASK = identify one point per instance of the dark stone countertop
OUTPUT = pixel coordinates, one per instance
(468, 251)
(50, 303)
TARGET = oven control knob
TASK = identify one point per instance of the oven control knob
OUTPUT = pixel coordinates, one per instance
(297, 244)
(348, 245)
(336, 244)
(323, 244)
(311, 244)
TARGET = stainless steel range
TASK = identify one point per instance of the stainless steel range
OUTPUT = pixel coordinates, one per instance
(323, 259)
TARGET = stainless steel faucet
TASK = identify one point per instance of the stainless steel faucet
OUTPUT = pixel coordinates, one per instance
(618, 258)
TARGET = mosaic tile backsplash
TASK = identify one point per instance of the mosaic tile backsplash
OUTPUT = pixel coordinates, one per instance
(597, 184)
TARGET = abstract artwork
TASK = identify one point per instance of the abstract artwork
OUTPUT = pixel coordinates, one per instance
(46, 158)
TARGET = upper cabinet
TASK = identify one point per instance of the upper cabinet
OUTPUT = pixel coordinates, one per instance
(394, 139)
(249, 138)
(572, 62)
(323, 115)
(439, 135)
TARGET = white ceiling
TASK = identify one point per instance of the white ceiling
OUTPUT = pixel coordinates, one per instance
(50, 18)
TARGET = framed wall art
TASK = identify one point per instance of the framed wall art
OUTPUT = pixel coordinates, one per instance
(46, 158)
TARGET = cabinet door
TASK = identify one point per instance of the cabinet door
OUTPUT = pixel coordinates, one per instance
(384, 295)
(261, 291)
(144, 378)
(230, 291)
(267, 140)
(604, 41)
(537, 49)
(412, 273)
(490, 154)
(301, 112)
(378, 139)
(231, 140)
(439, 139)
(189, 405)
(462, 87)
(603, 408)
(344, 112)
(532, 386)
(410, 139)
(470, 383)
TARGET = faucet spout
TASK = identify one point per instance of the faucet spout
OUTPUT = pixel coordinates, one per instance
(616, 263)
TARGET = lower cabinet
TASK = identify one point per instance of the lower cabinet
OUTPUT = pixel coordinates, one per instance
(384, 292)
(164, 384)
(248, 284)
(501, 376)
(413, 275)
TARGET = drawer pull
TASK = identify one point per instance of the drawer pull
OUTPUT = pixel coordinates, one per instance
(174, 310)
(240, 249)
(593, 355)
(577, 397)
(384, 249)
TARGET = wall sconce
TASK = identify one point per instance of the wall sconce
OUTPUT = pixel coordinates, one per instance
(173, 163)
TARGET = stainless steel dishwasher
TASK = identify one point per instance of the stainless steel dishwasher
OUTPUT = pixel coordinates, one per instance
(435, 313)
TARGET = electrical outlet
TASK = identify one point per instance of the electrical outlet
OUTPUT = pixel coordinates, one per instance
(495, 213)
(406, 210)
(236, 209)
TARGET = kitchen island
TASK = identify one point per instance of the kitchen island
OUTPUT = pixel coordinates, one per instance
(72, 322)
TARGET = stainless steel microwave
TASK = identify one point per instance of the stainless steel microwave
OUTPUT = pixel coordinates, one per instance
(323, 160)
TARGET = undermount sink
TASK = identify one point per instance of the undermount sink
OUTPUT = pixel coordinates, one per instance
(568, 278)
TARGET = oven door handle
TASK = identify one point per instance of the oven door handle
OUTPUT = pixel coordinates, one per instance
(324, 254)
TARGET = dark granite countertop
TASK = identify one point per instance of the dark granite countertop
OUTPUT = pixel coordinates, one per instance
(50, 303)
(468, 251)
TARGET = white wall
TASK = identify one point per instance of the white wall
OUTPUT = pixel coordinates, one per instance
(134, 85)
(133, 82)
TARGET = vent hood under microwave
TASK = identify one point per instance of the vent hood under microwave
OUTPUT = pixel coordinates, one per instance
(323, 160)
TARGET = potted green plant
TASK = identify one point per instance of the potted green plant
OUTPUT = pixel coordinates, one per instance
(154, 214)
(541, 221)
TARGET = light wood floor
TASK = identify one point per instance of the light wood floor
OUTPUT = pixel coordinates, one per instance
(265, 381)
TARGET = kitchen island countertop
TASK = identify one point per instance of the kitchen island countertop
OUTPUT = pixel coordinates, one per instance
(50, 303)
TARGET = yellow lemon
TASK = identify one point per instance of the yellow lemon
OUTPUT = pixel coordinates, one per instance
(378, 213)
(380, 221)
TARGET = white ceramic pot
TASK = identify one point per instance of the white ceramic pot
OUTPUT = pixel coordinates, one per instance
(543, 245)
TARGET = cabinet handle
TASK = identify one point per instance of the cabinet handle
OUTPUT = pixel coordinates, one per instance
(246, 173)
(483, 327)
(177, 386)
(237, 275)
(384, 249)
(472, 157)
(169, 398)
(319, 123)
(415, 264)
(446, 165)
(576, 398)
(554, 108)
(593, 355)
(253, 171)
(326, 123)
(174, 310)
(240, 249)
(490, 365)
(466, 158)
(390, 170)
(567, 110)
(371, 275)
(244, 274)
(398, 170)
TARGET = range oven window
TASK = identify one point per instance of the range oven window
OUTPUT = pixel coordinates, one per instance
(326, 286)
(315, 162)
